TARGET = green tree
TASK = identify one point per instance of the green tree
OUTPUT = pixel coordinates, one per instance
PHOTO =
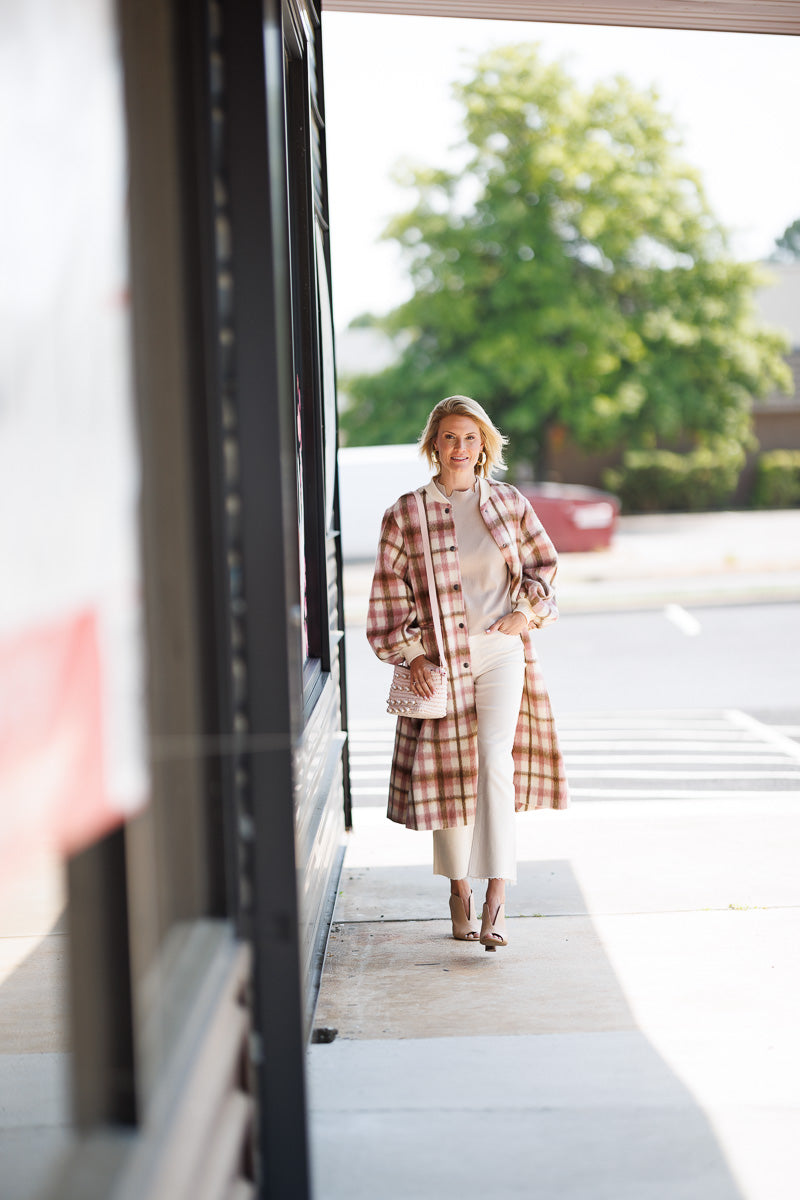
(571, 273)
(787, 246)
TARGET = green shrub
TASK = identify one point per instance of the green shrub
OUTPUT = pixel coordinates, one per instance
(777, 483)
(652, 481)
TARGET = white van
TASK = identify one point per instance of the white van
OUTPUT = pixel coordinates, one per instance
(370, 479)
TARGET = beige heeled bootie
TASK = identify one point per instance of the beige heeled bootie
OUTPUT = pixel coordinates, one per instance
(465, 923)
(493, 933)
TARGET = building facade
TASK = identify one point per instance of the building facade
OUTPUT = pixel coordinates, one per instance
(187, 143)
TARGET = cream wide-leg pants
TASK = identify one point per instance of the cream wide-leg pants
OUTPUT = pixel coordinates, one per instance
(487, 849)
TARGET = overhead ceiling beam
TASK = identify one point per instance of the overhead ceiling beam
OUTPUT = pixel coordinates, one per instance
(734, 16)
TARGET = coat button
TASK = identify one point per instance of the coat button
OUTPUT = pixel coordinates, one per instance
(465, 666)
(452, 547)
(456, 587)
(460, 624)
(447, 510)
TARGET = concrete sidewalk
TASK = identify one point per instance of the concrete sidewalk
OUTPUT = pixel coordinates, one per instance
(637, 1039)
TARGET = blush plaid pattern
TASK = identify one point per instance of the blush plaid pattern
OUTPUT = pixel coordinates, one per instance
(435, 763)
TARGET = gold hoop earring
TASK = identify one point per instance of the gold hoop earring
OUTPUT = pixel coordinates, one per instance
(435, 458)
(481, 458)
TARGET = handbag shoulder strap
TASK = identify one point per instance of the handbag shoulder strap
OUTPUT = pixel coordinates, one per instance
(434, 599)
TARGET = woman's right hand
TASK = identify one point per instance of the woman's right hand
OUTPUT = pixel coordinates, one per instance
(421, 669)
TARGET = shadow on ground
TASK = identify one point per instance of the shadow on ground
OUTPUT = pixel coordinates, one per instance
(459, 1073)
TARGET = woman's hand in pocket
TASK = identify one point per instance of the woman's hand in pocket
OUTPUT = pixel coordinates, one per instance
(513, 624)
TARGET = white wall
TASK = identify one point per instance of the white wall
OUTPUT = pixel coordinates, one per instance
(778, 303)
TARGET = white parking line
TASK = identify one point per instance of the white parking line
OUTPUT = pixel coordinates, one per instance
(758, 729)
(785, 797)
(674, 775)
(682, 620)
(769, 759)
(668, 756)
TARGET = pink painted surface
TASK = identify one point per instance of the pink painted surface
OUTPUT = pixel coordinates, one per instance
(52, 786)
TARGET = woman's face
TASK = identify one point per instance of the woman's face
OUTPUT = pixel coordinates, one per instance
(458, 443)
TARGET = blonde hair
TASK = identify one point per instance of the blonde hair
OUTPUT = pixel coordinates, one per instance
(463, 406)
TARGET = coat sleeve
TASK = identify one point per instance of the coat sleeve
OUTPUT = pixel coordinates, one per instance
(537, 598)
(392, 626)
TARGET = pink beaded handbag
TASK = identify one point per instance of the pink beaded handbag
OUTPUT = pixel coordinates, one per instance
(403, 700)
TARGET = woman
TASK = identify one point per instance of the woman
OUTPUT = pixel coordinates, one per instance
(464, 775)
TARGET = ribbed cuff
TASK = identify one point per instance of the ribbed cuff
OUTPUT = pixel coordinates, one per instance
(522, 606)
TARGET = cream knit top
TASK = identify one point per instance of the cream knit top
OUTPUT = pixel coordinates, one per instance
(485, 581)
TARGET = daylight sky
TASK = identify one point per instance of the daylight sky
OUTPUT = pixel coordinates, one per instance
(735, 98)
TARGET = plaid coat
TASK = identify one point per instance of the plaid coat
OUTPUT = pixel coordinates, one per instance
(435, 764)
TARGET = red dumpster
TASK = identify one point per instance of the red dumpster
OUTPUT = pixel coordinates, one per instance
(575, 517)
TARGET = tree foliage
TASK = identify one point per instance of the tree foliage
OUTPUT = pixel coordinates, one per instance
(787, 246)
(571, 273)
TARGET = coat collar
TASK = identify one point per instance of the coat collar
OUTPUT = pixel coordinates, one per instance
(432, 492)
